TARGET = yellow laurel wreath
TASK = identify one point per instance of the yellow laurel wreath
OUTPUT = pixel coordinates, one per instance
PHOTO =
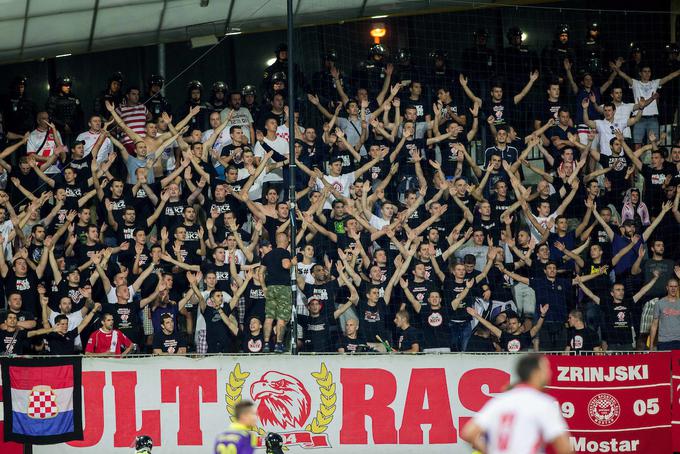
(234, 389)
(327, 407)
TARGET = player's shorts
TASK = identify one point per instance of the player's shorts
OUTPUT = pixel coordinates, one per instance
(277, 304)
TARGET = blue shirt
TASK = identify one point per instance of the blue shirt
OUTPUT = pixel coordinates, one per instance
(554, 293)
(626, 262)
(593, 114)
(236, 440)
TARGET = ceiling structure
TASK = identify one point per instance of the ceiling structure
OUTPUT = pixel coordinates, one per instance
(34, 29)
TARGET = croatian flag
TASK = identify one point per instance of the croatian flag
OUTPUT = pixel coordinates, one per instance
(42, 400)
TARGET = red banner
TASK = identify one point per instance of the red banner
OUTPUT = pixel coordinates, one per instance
(675, 405)
(617, 403)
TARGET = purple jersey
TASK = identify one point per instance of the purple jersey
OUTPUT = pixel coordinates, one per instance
(236, 440)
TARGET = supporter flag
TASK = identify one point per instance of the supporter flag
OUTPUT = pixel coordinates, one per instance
(42, 400)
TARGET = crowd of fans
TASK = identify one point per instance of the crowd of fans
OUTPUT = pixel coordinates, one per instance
(423, 221)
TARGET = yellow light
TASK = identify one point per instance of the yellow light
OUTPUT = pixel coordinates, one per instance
(378, 31)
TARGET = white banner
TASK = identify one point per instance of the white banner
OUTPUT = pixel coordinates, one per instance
(375, 404)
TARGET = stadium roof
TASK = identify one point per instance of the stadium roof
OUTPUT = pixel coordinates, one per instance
(31, 29)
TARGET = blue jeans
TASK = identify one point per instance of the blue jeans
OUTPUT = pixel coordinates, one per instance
(460, 334)
(672, 345)
(593, 315)
(644, 127)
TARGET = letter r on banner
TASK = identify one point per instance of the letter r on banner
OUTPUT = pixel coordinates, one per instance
(356, 407)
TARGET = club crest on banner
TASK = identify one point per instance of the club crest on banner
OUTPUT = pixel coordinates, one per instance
(42, 403)
(284, 404)
(604, 409)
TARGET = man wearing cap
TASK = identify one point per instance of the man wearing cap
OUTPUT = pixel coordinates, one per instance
(316, 327)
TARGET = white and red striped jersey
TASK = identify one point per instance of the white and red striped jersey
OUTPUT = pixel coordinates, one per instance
(520, 421)
(135, 118)
(113, 342)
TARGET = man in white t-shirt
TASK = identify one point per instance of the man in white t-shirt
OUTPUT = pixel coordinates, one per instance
(522, 420)
(339, 184)
(45, 141)
(271, 142)
(90, 138)
(241, 116)
(645, 88)
(606, 128)
(624, 110)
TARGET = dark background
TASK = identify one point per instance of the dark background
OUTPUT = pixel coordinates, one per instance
(240, 60)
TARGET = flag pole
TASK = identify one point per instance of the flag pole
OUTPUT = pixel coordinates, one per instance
(291, 174)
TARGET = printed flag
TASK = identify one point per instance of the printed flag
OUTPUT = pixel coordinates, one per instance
(42, 400)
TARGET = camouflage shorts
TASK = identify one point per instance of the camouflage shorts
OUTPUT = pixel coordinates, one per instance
(278, 302)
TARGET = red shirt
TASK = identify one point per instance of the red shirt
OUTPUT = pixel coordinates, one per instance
(113, 342)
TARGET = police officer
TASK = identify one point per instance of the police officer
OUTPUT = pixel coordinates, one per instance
(591, 53)
(323, 83)
(218, 97)
(635, 56)
(194, 98)
(439, 74)
(249, 94)
(112, 93)
(554, 56)
(143, 444)
(274, 443)
(281, 66)
(19, 111)
(479, 61)
(156, 103)
(64, 109)
(278, 85)
(370, 73)
(404, 67)
(518, 60)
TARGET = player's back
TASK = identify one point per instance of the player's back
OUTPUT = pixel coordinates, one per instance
(235, 440)
(520, 421)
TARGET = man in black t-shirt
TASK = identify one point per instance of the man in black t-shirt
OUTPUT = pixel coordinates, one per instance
(276, 264)
(61, 341)
(408, 338)
(514, 338)
(13, 338)
(580, 337)
(253, 340)
(316, 334)
(168, 341)
(352, 341)
(221, 325)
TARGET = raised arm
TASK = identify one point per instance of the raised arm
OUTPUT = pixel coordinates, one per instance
(119, 121)
(584, 105)
(605, 226)
(464, 83)
(665, 208)
(567, 200)
(527, 88)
